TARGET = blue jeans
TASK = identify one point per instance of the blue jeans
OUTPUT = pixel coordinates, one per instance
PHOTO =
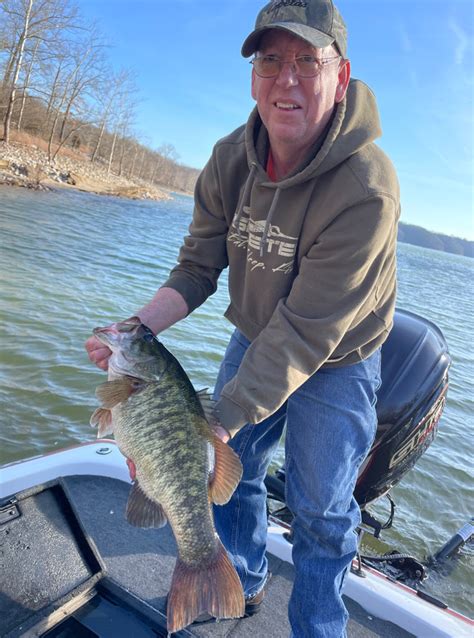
(330, 426)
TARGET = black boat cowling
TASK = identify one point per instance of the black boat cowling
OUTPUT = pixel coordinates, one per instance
(415, 364)
(410, 401)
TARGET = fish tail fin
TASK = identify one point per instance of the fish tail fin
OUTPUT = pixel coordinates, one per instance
(214, 588)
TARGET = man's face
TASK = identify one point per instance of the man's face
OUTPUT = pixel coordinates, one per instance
(296, 110)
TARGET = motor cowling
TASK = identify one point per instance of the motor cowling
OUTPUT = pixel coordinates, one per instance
(410, 401)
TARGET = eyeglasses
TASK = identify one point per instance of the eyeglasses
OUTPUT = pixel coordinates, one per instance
(304, 66)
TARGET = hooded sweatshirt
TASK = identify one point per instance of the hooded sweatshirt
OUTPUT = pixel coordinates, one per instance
(312, 258)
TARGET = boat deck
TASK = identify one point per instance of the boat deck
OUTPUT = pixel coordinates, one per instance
(142, 561)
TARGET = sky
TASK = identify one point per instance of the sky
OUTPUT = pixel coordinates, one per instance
(416, 55)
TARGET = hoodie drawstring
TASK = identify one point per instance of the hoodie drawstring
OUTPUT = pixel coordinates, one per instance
(246, 200)
(268, 220)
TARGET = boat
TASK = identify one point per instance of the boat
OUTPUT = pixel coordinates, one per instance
(71, 565)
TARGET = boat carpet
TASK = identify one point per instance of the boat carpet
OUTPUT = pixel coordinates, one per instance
(142, 561)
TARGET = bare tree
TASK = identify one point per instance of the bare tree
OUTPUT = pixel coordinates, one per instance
(28, 20)
(52, 90)
(124, 117)
(27, 83)
(110, 99)
(16, 68)
(144, 151)
(82, 75)
(168, 165)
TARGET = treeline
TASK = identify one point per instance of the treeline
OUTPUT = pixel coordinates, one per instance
(57, 85)
(418, 236)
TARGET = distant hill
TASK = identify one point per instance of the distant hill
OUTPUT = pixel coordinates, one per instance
(409, 234)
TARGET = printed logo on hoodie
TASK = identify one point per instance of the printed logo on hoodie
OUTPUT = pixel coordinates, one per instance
(278, 248)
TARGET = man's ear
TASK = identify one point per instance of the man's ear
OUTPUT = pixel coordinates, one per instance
(343, 76)
(254, 80)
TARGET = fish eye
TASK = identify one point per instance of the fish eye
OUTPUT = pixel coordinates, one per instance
(149, 336)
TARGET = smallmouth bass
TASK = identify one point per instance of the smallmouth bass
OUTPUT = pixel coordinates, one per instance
(180, 467)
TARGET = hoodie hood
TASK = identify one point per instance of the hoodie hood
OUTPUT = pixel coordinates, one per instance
(355, 124)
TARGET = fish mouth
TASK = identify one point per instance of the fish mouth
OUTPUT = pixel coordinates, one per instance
(107, 336)
(113, 338)
(111, 335)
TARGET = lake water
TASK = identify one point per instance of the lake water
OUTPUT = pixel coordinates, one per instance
(71, 261)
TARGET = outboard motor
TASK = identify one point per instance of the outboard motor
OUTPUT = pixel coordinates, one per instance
(410, 401)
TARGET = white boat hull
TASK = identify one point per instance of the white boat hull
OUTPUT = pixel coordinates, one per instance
(377, 594)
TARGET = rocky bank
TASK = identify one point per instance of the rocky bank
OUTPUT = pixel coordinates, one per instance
(28, 166)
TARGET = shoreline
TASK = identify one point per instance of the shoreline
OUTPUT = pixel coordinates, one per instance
(27, 166)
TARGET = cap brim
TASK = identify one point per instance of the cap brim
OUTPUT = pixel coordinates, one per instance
(314, 37)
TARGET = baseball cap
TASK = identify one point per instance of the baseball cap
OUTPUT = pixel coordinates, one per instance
(316, 21)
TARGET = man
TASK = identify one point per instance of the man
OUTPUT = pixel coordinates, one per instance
(303, 208)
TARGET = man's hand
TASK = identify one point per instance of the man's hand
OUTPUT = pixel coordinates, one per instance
(166, 308)
(219, 430)
(98, 352)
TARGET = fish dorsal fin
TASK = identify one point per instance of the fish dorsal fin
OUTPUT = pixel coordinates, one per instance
(111, 393)
(226, 474)
(142, 511)
(208, 404)
(103, 419)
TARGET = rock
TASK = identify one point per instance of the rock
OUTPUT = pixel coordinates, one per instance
(67, 178)
(19, 169)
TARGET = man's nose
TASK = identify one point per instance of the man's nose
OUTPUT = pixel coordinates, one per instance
(287, 75)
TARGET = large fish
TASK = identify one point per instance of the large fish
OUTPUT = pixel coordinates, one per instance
(181, 466)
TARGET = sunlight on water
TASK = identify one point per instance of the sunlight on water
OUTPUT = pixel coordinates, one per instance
(72, 261)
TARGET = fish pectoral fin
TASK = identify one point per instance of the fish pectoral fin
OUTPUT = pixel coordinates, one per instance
(226, 474)
(207, 403)
(111, 393)
(102, 419)
(142, 511)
